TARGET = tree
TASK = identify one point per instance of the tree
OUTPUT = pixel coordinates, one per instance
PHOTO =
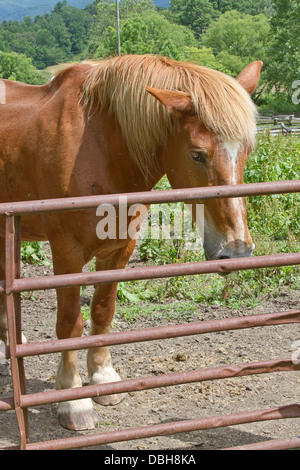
(60, 6)
(45, 38)
(78, 23)
(237, 39)
(203, 56)
(135, 38)
(143, 30)
(18, 67)
(284, 66)
(251, 7)
(196, 14)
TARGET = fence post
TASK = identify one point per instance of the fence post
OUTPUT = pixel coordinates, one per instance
(13, 308)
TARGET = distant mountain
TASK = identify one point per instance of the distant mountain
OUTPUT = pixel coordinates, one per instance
(162, 3)
(17, 9)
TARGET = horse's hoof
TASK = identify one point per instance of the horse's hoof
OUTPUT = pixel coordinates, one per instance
(110, 400)
(78, 415)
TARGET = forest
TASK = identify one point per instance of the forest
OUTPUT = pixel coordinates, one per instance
(222, 34)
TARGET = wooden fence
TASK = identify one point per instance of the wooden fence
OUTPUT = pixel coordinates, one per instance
(285, 124)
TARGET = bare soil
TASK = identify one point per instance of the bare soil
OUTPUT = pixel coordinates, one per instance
(170, 404)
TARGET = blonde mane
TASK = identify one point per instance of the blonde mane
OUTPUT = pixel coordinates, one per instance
(221, 104)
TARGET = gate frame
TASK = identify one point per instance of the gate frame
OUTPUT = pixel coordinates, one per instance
(16, 351)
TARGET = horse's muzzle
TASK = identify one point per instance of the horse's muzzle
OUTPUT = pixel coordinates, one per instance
(241, 252)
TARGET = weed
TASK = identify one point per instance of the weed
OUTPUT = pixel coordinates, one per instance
(33, 253)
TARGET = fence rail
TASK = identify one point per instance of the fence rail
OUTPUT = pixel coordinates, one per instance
(278, 124)
(14, 285)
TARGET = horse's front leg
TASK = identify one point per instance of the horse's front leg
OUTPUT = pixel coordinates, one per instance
(102, 311)
(78, 414)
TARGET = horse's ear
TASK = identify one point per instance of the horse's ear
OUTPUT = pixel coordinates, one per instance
(250, 75)
(176, 102)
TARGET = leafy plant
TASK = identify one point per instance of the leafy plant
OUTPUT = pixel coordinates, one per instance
(34, 253)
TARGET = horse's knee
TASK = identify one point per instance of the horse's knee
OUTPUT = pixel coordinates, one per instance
(103, 307)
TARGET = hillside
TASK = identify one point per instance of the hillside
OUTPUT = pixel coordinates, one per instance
(17, 9)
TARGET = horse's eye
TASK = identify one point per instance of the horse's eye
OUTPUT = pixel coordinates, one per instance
(199, 156)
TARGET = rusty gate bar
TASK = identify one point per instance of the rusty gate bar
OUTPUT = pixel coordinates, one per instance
(151, 334)
(224, 266)
(13, 286)
(166, 380)
(284, 412)
(276, 444)
(151, 197)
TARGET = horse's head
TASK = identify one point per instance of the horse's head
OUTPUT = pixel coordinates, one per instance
(196, 156)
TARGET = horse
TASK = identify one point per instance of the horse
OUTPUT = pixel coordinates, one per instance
(117, 126)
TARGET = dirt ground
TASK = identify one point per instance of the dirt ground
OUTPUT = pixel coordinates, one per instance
(162, 405)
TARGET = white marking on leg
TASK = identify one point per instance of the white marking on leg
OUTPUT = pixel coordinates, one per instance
(105, 374)
(83, 405)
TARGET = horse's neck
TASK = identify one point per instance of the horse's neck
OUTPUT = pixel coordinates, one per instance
(118, 168)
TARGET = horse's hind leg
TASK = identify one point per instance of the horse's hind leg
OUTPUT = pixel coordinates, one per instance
(3, 316)
(102, 311)
(79, 414)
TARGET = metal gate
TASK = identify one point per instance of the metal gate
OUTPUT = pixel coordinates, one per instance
(13, 285)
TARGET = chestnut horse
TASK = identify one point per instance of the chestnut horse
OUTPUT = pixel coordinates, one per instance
(113, 127)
